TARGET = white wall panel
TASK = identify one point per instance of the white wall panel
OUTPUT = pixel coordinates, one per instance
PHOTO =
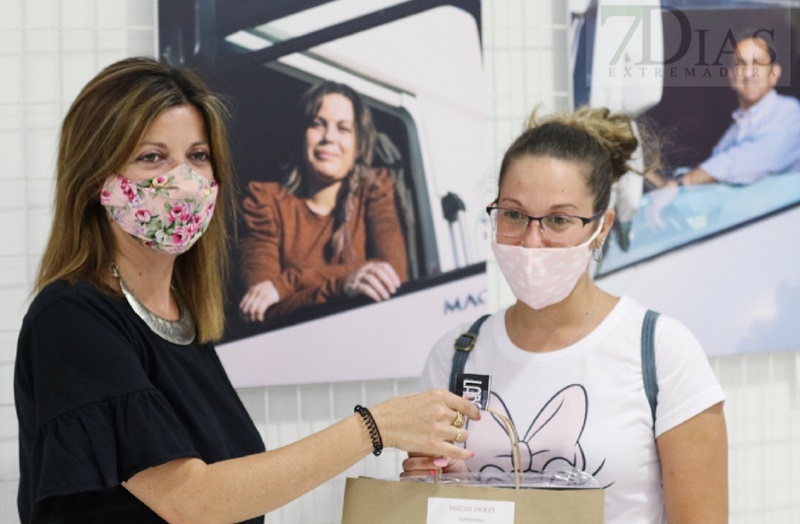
(48, 52)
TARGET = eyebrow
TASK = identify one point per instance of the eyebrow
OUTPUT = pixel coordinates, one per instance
(164, 146)
(557, 207)
(752, 57)
(339, 121)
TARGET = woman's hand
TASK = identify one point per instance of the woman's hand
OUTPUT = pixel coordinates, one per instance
(376, 279)
(423, 424)
(189, 490)
(659, 201)
(258, 299)
(418, 465)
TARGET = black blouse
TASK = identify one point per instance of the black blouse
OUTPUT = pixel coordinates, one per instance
(100, 397)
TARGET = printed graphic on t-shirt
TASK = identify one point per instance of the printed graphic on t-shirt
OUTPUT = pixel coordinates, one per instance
(551, 441)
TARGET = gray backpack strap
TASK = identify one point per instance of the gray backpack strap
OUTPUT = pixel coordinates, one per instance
(649, 361)
(463, 345)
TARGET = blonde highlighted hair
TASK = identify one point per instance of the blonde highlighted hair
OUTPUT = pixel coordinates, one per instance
(99, 134)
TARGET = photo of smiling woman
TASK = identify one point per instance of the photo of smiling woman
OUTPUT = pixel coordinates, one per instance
(331, 229)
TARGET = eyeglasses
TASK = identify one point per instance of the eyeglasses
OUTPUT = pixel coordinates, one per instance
(560, 230)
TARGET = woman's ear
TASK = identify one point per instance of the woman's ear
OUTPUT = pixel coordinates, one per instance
(608, 222)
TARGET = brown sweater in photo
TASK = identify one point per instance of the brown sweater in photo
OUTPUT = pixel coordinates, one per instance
(287, 243)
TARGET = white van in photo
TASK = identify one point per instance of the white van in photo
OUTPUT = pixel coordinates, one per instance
(418, 65)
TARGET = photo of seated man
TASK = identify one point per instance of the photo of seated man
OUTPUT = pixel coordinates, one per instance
(764, 137)
(331, 229)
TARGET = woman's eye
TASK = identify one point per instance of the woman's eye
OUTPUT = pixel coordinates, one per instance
(148, 158)
(509, 214)
(201, 156)
(559, 220)
(346, 129)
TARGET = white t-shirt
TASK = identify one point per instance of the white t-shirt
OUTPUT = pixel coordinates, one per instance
(585, 405)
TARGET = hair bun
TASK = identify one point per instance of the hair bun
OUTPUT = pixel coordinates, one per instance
(613, 131)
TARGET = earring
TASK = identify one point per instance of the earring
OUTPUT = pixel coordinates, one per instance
(597, 253)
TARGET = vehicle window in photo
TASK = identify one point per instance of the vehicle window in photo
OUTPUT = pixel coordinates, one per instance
(397, 232)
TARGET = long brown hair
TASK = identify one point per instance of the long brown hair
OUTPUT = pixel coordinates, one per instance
(340, 247)
(99, 134)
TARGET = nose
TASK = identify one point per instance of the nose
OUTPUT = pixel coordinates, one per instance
(750, 71)
(328, 133)
(533, 236)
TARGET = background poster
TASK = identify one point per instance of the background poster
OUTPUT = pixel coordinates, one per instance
(722, 258)
(418, 66)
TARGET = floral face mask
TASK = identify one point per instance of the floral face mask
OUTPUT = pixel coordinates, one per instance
(167, 213)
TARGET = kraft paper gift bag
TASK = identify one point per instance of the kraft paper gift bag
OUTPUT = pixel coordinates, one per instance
(565, 497)
(374, 501)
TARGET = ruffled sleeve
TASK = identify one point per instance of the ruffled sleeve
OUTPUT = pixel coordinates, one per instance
(89, 416)
(100, 445)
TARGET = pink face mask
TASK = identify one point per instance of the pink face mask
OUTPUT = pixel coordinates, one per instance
(541, 277)
(167, 213)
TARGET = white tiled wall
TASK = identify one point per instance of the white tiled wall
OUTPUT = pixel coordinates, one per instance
(50, 48)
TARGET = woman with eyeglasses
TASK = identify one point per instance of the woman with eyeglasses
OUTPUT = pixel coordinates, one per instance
(566, 361)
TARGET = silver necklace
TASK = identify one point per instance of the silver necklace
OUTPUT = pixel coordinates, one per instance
(180, 332)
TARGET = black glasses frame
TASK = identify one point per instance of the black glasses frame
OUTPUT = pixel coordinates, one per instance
(530, 218)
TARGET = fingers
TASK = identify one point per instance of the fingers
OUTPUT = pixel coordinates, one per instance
(423, 423)
(463, 406)
(387, 275)
(454, 452)
(378, 280)
(419, 462)
(250, 306)
(257, 300)
(253, 307)
(373, 287)
(417, 465)
(421, 465)
(449, 405)
(432, 471)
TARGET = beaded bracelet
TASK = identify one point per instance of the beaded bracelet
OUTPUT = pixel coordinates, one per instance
(374, 434)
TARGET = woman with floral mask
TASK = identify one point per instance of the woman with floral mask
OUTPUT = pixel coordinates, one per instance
(125, 412)
(565, 360)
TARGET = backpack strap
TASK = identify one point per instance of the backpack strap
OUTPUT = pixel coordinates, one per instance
(649, 361)
(463, 345)
(466, 341)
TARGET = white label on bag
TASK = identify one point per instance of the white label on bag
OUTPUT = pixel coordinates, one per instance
(467, 511)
